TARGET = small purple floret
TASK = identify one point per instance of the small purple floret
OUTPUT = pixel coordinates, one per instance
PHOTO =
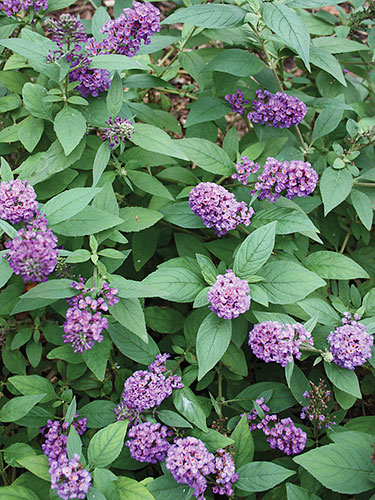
(148, 442)
(245, 168)
(277, 110)
(218, 208)
(229, 296)
(350, 344)
(12, 7)
(226, 474)
(17, 201)
(117, 130)
(237, 101)
(274, 342)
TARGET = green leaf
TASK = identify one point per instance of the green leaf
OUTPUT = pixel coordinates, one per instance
(207, 155)
(235, 62)
(9, 102)
(58, 4)
(71, 411)
(101, 160)
(132, 346)
(5, 270)
(188, 405)
(8, 229)
(118, 62)
(280, 400)
(213, 339)
(363, 206)
(261, 476)
(344, 399)
(326, 61)
(254, 251)
(339, 467)
(335, 186)
(212, 439)
(287, 282)
(334, 265)
(164, 319)
(115, 96)
(30, 132)
(344, 379)
(94, 494)
(289, 220)
(33, 385)
(18, 407)
(53, 289)
(149, 184)
(107, 444)
(99, 413)
(297, 493)
(130, 314)
(70, 127)
(297, 382)
(208, 16)
(69, 203)
(338, 45)
(129, 489)
(180, 215)
(289, 27)
(206, 109)
(15, 492)
(138, 218)
(243, 443)
(175, 283)
(74, 444)
(327, 121)
(154, 139)
(173, 419)
(38, 465)
(97, 358)
(166, 488)
(88, 221)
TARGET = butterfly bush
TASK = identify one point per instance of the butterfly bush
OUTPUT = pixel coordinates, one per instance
(117, 130)
(278, 110)
(229, 296)
(12, 7)
(218, 208)
(148, 442)
(237, 101)
(33, 252)
(225, 471)
(272, 341)
(17, 201)
(350, 344)
(245, 168)
(84, 321)
(316, 410)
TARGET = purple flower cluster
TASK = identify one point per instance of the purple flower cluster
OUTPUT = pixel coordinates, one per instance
(226, 474)
(189, 462)
(283, 434)
(17, 201)
(229, 296)
(272, 341)
(33, 252)
(297, 178)
(117, 130)
(147, 389)
(237, 101)
(148, 442)
(277, 110)
(218, 208)
(67, 30)
(245, 168)
(84, 322)
(316, 409)
(125, 34)
(11, 7)
(92, 80)
(350, 344)
(68, 477)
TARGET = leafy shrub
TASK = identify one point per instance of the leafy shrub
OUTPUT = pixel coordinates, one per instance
(187, 305)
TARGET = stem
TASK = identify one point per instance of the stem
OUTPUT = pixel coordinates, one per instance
(346, 241)
(94, 278)
(220, 384)
(364, 184)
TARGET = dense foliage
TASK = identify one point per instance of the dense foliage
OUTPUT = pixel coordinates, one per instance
(187, 304)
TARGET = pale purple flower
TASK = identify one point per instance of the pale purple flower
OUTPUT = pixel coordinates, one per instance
(92, 80)
(274, 342)
(253, 416)
(189, 462)
(17, 201)
(117, 130)
(229, 296)
(316, 409)
(296, 178)
(350, 344)
(125, 34)
(67, 30)
(237, 101)
(225, 471)
(277, 110)
(148, 442)
(33, 252)
(84, 322)
(245, 168)
(286, 437)
(11, 7)
(218, 208)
